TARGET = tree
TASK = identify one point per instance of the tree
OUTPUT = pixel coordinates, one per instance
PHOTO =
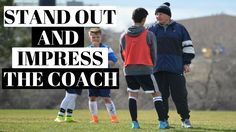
(11, 37)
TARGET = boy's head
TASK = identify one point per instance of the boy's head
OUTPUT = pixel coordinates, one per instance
(139, 14)
(95, 36)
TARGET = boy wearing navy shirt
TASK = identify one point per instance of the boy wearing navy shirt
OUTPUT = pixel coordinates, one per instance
(95, 37)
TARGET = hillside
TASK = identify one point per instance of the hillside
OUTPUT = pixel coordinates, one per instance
(212, 81)
(212, 30)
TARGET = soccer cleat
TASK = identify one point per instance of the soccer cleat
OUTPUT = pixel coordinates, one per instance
(114, 119)
(59, 118)
(69, 119)
(164, 125)
(94, 119)
(135, 125)
(186, 124)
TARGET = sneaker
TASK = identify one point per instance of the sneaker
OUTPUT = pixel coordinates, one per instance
(135, 125)
(168, 124)
(164, 125)
(186, 124)
(94, 119)
(59, 118)
(69, 119)
(114, 119)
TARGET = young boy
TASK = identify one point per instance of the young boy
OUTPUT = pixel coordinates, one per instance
(138, 51)
(95, 37)
(68, 105)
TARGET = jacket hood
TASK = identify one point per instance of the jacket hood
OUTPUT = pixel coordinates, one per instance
(135, 30)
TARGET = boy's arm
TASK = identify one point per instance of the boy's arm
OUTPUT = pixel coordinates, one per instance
(111, 63)
(122, 46)
(153, 46)
(112, 59)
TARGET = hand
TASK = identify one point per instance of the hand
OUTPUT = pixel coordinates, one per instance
(187, 68)
(111, 63)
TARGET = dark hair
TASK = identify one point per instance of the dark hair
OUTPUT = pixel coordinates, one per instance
(139, 14)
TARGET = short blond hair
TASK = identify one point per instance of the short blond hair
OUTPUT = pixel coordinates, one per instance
(95, 30)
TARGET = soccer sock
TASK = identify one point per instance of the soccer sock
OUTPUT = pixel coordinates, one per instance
(69, 112)
(65, 102)
(71, 104)
(133, 108)
(111, 108)
(61, 112)
(64, 105)
(159, 107)
(93, 107)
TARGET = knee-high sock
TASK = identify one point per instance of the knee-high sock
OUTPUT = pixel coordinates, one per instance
(64, 104)
(159, 107)
(93, 107)
(133, 108)
(111, 109)
(71, 105)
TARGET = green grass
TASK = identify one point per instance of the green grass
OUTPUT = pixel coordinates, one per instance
(42, 121)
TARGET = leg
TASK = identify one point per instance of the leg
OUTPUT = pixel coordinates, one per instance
(68, 100)
(71, 104)
(60, 116)
(157, 100)
(133, 89)
(149, 85)
(93, 108)
(163, 84)
(111, 109)
(179, 95)
(70, 107)
(133, 96)
(64, 104)
(93, 105)
(72, 95)
(158, 103)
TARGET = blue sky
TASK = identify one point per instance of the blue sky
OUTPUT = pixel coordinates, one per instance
(209, 6)
(181, 9)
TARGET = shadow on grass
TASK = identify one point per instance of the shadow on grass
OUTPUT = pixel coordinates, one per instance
(212, 129)
(197, 129)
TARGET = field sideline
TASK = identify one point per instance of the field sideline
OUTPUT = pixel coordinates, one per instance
(42, 121)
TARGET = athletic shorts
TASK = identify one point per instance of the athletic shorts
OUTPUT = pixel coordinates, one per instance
(74, 91)
(99, 92)
(147, 82)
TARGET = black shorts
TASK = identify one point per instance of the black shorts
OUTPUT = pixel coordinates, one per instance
(74, 91)
(99, 92)
(147, 82)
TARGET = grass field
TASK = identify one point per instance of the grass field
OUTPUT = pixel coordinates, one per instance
(42, 121)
